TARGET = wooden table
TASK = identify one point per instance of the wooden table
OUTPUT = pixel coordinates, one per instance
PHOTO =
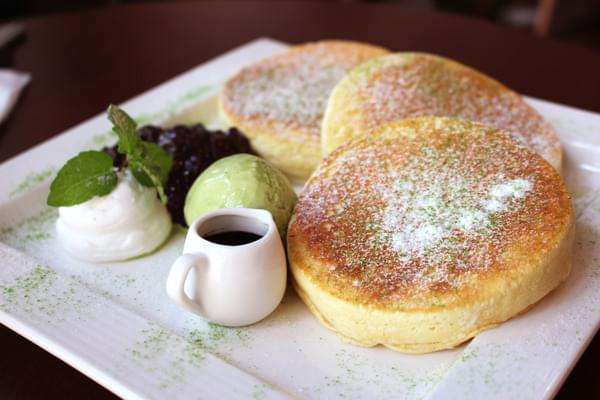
(81, 62)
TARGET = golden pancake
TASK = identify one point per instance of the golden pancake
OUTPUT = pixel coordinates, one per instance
(409, 85)
(279, 102)
(428, 232)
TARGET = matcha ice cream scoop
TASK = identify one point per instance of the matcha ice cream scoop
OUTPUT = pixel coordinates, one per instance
(241, 180)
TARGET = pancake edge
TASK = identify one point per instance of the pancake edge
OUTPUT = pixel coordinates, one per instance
(369, 326)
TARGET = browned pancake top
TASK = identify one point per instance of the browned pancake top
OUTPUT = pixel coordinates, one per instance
(291, 89)
(415, 85)
(401, 217)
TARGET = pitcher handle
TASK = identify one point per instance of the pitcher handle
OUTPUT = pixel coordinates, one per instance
(176, 281)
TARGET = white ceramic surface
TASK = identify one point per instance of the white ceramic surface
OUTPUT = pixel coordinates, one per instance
(230, 285)
(115, 322)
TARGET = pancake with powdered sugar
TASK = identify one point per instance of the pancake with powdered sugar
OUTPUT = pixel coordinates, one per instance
(409, 85)
(428, 232)
(279, 102)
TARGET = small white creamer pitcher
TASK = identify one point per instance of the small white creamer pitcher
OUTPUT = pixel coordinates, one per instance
(231, 285)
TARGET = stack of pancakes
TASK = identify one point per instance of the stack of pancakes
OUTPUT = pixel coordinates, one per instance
(438, 211)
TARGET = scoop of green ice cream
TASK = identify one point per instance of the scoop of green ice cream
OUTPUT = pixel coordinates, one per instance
(241, 180)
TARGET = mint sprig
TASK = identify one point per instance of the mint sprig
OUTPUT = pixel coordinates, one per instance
(91, 173)
(88, 174)
(149, 163)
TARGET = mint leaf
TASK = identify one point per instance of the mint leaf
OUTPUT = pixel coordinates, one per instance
(148, 162)
(152, 169)
(124, 126)
(155, 160)
(148, 177)
(84, 176)
(138, 172)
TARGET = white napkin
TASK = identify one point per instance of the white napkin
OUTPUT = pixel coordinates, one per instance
(11, 84)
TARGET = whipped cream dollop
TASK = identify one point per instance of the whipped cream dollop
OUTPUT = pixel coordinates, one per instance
(128, 222)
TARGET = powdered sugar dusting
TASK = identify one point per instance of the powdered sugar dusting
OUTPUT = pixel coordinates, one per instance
(293, 88)
(409, 85)
(416, 219)
(410, 215)
(501, 194)
(298, 97)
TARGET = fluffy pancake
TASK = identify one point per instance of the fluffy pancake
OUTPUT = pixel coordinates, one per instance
(428, 232)
(279, 102)
(408, 85)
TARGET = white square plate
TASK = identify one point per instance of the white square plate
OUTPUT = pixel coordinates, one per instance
(115, 323)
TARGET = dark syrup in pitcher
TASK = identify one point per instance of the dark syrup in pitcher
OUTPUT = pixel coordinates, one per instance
(232, 238)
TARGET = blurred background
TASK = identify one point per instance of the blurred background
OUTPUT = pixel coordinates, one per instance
(571, 20)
